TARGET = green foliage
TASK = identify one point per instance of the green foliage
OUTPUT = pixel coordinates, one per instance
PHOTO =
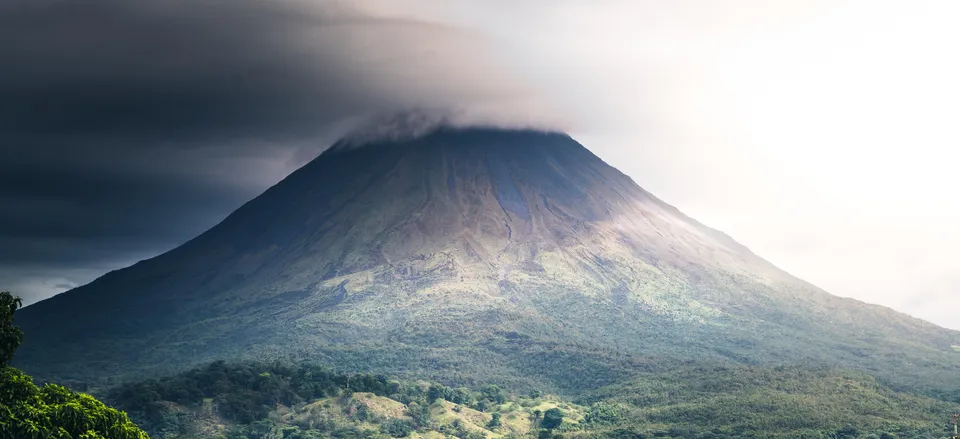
(10, 335)
(256, 429)
(494, 421)
(462, 432)
(55, 412)
(780, 402)
(547, 434)
(396, 428)
(461, 395)
(51, 411)
(552, 419)
(604, 413)
(437, 391)
(246, 394)
(686, 401)
(419, 414)
(493, 393)
(319, 403)
(242, 392)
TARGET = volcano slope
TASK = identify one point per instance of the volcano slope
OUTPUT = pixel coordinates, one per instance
(470, 255)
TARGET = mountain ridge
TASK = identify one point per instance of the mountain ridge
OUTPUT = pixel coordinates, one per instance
(497, 253)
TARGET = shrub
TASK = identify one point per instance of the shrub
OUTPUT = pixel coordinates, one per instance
(552, 419)
(396, 428)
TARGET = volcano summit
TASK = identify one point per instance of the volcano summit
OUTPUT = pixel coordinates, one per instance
(480, 254)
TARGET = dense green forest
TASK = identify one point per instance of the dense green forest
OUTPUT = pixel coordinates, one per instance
(257, 400)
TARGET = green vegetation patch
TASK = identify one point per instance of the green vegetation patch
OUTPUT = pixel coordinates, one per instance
(271, 401)
(51, 411)
(783, 402)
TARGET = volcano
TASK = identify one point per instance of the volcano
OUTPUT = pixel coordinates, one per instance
(507, 256)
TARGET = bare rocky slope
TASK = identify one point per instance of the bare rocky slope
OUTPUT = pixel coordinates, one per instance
(470, 254)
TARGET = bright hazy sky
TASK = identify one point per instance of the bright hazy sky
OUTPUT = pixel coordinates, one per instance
(822, 135)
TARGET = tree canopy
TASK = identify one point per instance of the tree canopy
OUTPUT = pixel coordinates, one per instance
(552, 418)
(51, 411)
(10, 335)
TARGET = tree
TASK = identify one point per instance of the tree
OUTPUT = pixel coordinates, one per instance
(437, 391)
(604, 413)
(51, 411)
(461, 396)
(10, 335)
(848, 431)
(552, 419)
(493, 393)
(396, 428)
(420, 414)
(494, 421)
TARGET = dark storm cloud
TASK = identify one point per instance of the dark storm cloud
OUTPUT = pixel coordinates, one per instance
(186, 69)
(128, 126)
(43, 213)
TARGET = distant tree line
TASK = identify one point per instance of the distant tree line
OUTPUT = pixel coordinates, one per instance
(245, 393)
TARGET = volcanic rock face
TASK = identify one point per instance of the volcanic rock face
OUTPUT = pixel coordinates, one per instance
(504, 255)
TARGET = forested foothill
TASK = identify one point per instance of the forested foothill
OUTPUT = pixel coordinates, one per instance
(257, 400)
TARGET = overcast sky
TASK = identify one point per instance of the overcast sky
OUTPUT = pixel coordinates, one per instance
(821, 134)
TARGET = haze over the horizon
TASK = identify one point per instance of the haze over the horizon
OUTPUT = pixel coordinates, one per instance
(821, 134)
